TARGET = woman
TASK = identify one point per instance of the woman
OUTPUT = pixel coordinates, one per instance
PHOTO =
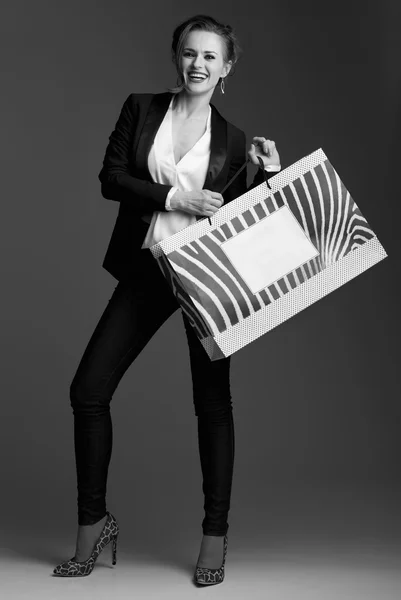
(166, 160)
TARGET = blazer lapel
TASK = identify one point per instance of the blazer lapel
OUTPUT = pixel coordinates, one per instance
(218, 148)
(155, 115)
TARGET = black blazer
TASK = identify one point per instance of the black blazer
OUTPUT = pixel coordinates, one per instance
(125, 176)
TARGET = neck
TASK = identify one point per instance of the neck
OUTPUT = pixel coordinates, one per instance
(191, 107)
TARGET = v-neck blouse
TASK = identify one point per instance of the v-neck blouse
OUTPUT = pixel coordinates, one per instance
(186, 175)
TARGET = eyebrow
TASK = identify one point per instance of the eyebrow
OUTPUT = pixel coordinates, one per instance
(206, 51)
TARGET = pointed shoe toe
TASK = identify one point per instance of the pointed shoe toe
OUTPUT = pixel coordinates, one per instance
(73, 568)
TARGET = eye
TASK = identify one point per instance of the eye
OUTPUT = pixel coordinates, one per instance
(187, 53)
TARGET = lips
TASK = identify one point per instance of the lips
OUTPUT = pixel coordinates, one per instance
(197, 76)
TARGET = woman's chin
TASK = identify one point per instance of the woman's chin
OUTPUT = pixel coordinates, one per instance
(196, 89)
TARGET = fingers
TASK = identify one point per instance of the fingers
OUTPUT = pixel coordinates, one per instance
(212, 201)
(201, 202)
(267, 146)
(251, 152)
(214, 198)
(214, 194)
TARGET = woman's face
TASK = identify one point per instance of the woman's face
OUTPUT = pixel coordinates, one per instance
(203, 54)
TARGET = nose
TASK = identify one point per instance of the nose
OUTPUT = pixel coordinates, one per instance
(198, 61)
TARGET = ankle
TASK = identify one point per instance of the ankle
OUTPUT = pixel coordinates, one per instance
(100, 521)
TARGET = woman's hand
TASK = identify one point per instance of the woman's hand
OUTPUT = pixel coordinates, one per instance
(197, 202)
(266, 149)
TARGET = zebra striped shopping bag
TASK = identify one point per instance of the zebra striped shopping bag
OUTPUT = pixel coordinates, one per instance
(267, 255)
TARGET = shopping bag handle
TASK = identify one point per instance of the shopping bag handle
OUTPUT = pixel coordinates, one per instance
(262, 166)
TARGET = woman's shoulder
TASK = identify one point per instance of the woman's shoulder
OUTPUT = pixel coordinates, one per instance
(142, 101)
(140, 97)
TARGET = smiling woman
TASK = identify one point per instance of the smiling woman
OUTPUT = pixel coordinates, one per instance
(223, 48)
(167, 162)
(198, 64)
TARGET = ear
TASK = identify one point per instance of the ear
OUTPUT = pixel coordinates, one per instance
(226, 68)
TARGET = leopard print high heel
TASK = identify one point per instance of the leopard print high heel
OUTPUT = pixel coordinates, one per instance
(73, 568)
(204, 576)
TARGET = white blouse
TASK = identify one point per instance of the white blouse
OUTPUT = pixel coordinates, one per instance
(188, 174)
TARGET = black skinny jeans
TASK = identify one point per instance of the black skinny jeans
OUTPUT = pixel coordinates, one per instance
(134, 313)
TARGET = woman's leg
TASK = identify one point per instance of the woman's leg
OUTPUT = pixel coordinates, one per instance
(134, 313)
(213, 408)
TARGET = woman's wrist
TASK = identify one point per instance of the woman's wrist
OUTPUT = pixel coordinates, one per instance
(176, 200)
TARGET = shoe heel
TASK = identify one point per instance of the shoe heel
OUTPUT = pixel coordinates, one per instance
(114, 550)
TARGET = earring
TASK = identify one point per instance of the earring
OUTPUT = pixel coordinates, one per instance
(222, 85)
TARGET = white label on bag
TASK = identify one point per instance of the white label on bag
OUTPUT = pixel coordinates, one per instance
(269, 249)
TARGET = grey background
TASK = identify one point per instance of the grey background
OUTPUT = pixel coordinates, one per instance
(316, 401)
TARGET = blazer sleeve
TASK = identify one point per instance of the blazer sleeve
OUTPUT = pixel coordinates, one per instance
(239, 185)
(116, 181)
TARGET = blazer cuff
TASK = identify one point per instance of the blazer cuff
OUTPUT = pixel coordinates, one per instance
(169, 196)
(259, 176)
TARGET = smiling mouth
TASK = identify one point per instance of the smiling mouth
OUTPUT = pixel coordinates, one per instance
(197, 77)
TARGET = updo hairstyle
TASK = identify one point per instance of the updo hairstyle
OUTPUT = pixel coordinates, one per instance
(202, 23)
